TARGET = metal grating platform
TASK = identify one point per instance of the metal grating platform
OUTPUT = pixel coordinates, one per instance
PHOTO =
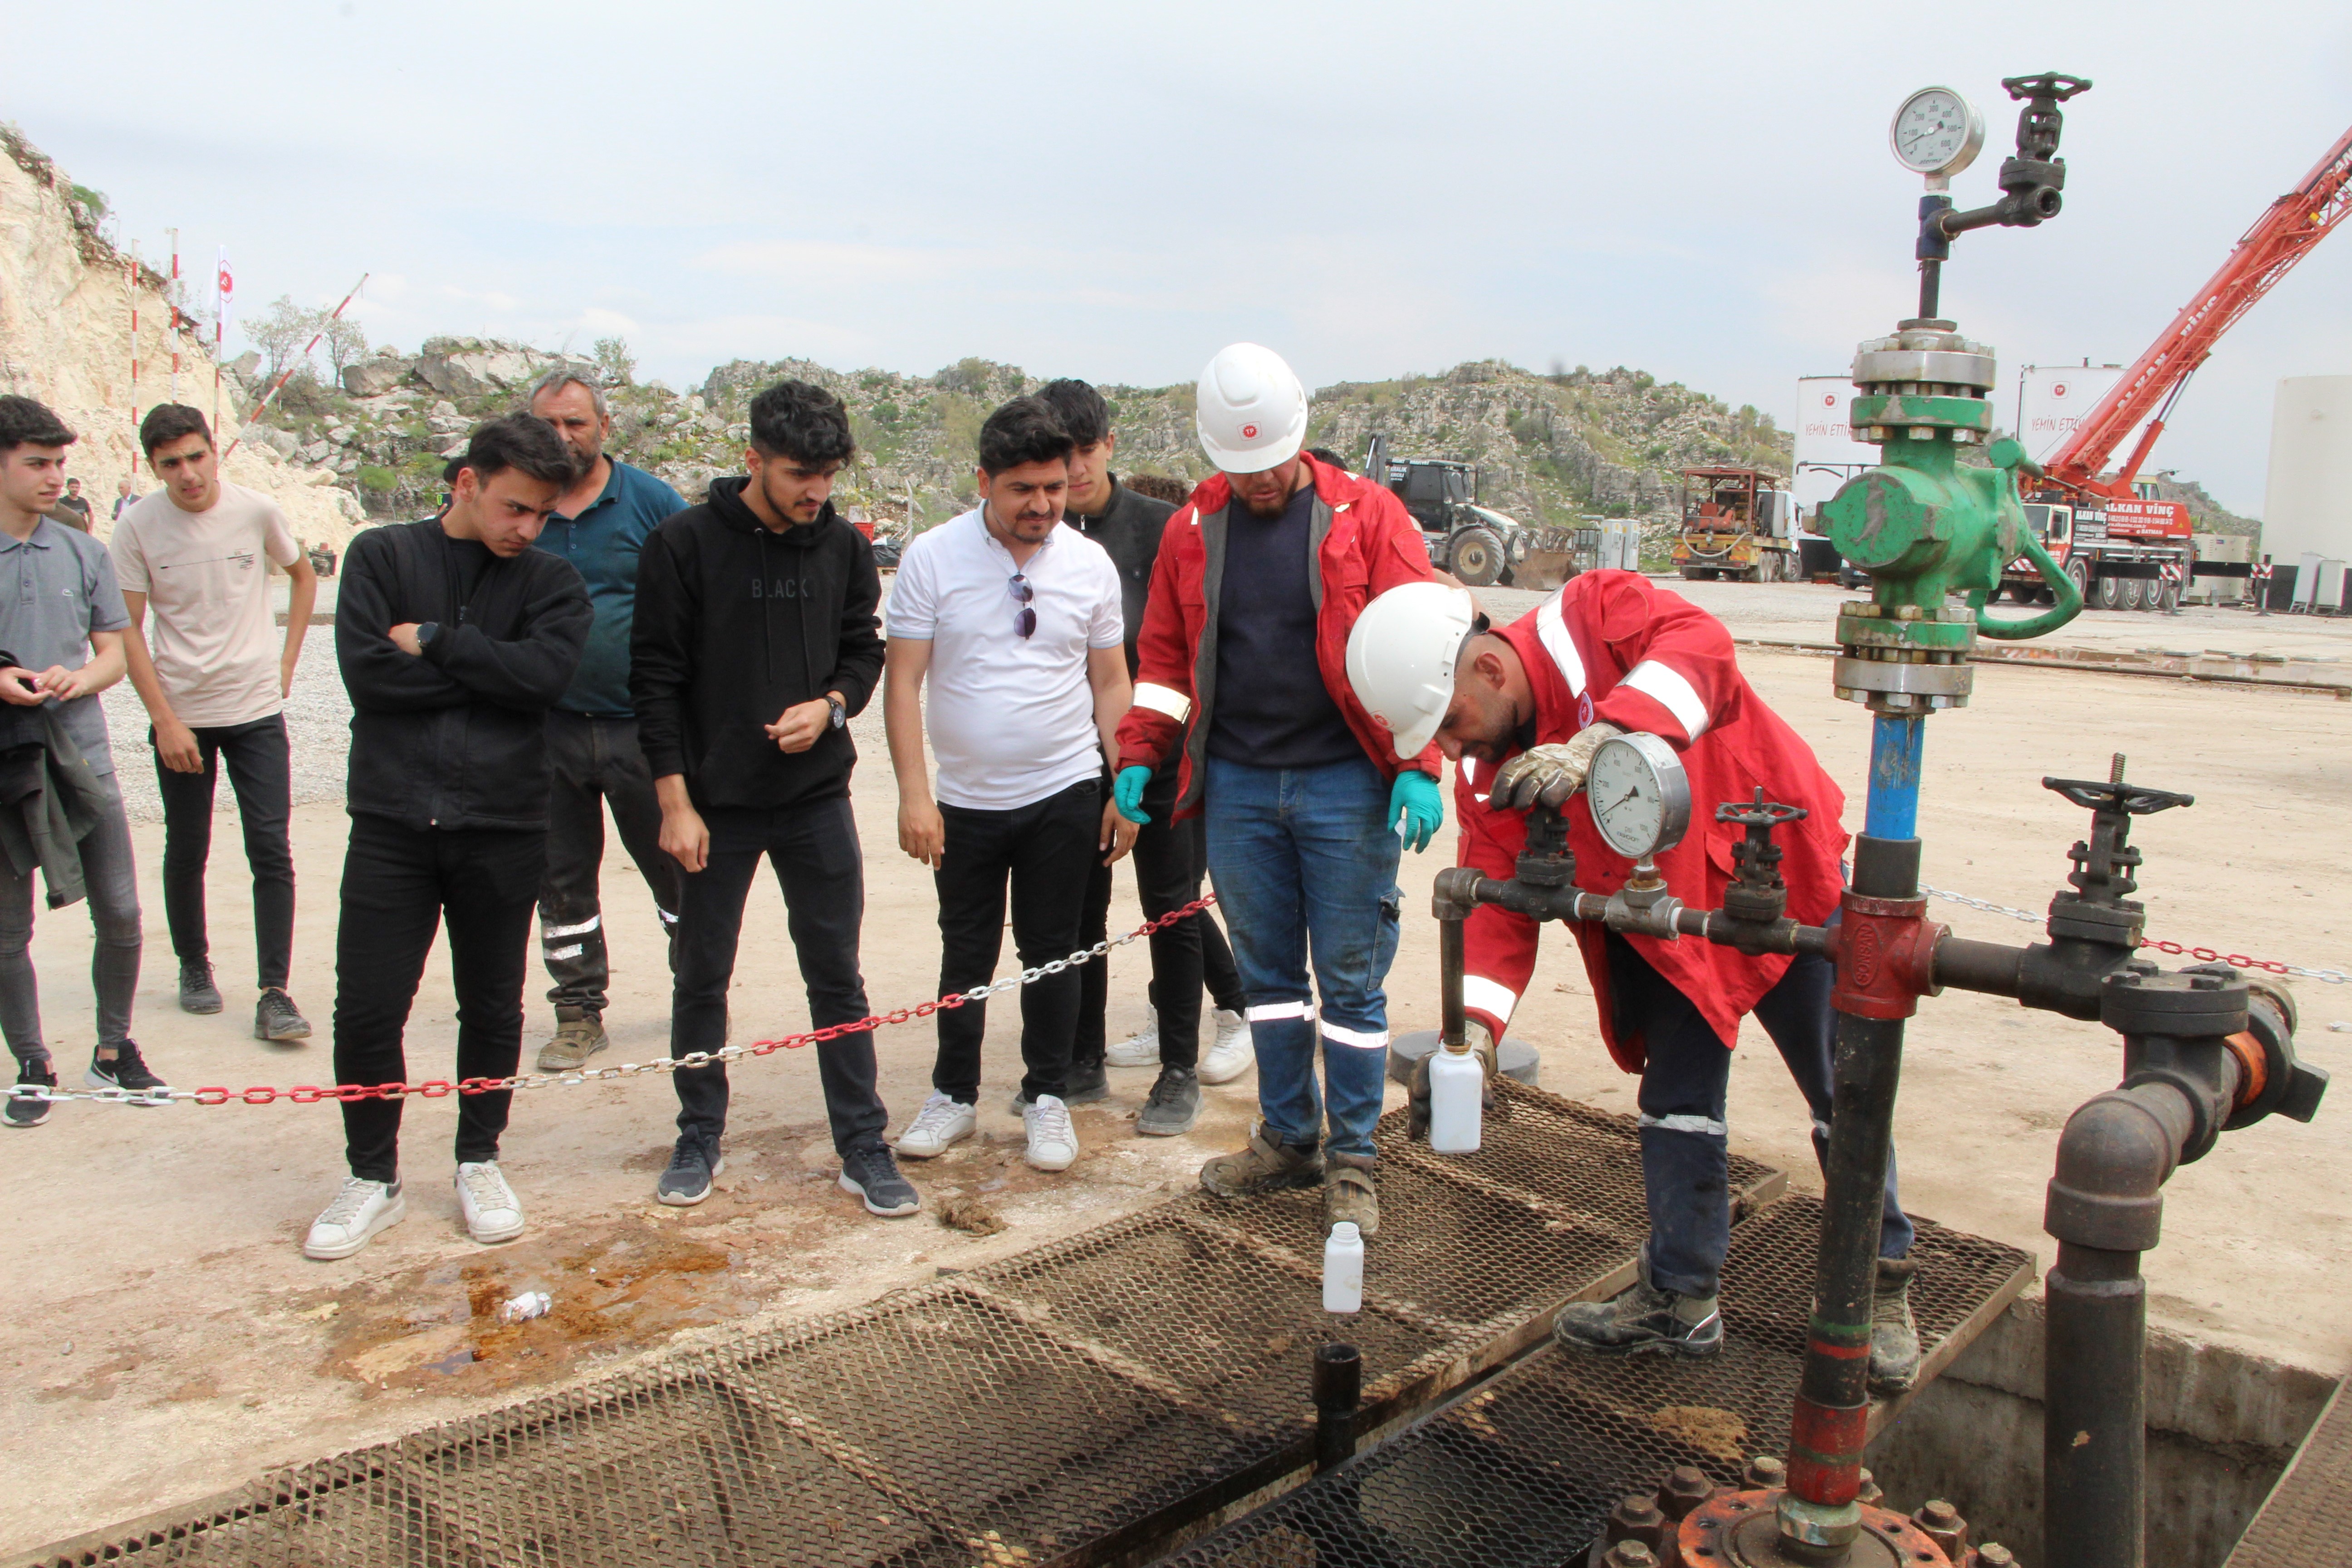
(1079, 1401)
(1521, 1473)
(2307, 1518)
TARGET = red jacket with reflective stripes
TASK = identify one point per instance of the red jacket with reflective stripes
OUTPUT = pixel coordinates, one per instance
(1364, 543)
(1610, 646)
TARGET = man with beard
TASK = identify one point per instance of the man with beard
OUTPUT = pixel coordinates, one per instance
(1258, 582)
(599, 525)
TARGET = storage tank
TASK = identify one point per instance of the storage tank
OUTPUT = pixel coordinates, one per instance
(2307, 508)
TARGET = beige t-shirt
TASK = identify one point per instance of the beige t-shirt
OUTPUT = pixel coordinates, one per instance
(209, 626)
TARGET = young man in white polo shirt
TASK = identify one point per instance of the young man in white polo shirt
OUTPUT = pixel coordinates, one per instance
(214, 673)
(1013, 617)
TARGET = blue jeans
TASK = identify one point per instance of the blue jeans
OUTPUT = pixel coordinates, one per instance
(1304, 863)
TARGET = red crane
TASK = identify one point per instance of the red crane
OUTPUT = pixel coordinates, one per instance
(2280, 237)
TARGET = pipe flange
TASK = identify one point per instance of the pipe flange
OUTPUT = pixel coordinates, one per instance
(2184, 1006)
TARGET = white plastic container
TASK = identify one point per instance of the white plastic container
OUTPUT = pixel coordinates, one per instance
(1458, 1087)
(1343, 1270)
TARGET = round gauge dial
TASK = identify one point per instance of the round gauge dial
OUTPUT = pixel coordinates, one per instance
(1936, 131)
(1639, 794)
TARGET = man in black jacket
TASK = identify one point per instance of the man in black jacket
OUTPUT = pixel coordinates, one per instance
(1170, 857)
(755, 643)
(455, 638)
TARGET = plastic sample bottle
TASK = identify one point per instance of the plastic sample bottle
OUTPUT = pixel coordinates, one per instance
(1457, 1085)
(1343, 1270)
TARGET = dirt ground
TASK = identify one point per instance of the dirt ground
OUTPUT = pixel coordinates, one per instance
(172, 1340)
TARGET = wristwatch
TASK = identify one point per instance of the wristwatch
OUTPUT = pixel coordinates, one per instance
(840, 714)
(426, 632)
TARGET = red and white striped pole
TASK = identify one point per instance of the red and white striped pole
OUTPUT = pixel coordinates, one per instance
(174, 328)
(288, 374)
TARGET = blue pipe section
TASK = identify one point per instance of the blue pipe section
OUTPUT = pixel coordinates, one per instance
(1895, 745)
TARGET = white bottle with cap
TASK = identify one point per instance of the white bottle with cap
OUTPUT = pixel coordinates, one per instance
(1343, 1270)
(1457, 1085)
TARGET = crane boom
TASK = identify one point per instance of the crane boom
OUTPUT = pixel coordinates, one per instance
(2280, 237)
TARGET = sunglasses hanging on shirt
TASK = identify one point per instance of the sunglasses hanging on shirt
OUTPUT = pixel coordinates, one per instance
(1024, 619)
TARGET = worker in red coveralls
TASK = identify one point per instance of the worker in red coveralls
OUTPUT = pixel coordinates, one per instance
(1521, 708)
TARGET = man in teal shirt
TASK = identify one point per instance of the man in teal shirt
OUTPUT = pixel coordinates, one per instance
(600, 524)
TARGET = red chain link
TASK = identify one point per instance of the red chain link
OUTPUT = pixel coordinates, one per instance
(2208, 956)
(436, 1088)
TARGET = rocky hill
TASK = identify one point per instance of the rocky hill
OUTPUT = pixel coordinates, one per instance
(66, 296)
(1550, 447)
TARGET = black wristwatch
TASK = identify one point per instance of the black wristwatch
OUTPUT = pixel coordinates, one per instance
(425, 632)
(840, 714)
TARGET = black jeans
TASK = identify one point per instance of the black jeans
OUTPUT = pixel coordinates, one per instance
(399, 884)
(590, 762)
(1686, 1138)
(257, 771)
(1170, 860)
(1045, 849)
(813, 848)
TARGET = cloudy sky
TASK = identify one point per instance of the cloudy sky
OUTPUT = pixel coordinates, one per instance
(1115, 190)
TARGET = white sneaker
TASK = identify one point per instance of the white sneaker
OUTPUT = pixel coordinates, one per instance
(1232, 1055)
(360, 1209)
(1140, 1049)
(940, 1125)
(1052, 1142)
(493, 1214)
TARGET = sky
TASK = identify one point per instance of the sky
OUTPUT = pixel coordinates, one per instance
(1702, 190)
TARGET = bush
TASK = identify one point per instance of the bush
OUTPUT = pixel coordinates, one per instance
(377, 479)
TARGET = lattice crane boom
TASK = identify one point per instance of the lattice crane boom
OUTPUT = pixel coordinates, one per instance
(2282, 236)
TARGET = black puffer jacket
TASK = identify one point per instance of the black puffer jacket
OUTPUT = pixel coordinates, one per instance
(737, 622)
(456, 738)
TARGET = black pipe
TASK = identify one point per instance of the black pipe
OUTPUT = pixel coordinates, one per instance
(1339, 1390)
(1989, 966)
(1452, 1023)
(2105, 1206)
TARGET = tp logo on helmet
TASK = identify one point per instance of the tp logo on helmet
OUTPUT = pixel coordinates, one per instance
(1249, 432)
(1251, 410)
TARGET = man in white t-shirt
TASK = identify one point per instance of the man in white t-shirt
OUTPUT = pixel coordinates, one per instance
(1013, 619)
(214, 674)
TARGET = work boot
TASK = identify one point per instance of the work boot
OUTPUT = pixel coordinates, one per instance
(1264, 1167)
(1642, 1318)
(197, 992)
(1347, 1195)
(1894, 1337)
(1174, 1105)
(579, 1035)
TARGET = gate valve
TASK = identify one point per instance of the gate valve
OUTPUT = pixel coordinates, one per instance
(2098, 910)
(1547, 862)
(1758, 894)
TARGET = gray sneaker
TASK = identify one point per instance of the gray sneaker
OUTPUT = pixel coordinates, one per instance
(197, 992)
(1174, 1105)
(872, 1173)
(693, 1166)
(274, 1018)
(579, 1035)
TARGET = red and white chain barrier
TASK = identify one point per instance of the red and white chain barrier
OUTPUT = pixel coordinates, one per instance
(2203, 954)
(436, 1089)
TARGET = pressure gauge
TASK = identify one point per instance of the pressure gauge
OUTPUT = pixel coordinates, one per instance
(1936, 132)
(1639, 794)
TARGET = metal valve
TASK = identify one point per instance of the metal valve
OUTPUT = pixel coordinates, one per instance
(1756, 892)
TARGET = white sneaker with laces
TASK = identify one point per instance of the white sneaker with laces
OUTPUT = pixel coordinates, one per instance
(1052, 1142)
(493, 1214)
(1140, 1049)
(937, 1127)
(1234, 1054)
(360, 1209)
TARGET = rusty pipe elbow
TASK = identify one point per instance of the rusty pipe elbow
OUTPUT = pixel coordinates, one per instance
(2114, 1158)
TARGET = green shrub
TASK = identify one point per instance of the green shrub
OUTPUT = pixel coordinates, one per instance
(381, 481)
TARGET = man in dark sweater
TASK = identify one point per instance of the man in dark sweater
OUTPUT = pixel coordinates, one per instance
(1170, 857)
(755, 643)
(455, 638)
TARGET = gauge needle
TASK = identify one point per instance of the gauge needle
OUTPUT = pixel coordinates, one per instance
(1623, 798)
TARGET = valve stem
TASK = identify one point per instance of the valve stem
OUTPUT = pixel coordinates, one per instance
(2115, 768)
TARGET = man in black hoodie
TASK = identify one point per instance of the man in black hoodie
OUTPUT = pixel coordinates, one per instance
(455, 638)
(755, 643)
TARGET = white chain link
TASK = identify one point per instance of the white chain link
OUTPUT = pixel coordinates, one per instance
(167, 1096)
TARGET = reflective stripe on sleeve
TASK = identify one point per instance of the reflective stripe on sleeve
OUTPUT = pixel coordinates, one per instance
(1551, 630)
(1276, 1012)
(1362, 1039)
(1673, 692)
(1706, 1125)
(1164, 700)
(1489, 996)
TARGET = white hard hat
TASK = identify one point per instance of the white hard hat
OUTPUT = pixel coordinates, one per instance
(1252, 411)
(1401, 655)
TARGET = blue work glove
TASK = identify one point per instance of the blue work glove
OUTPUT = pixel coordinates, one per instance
(1127, 793)
(1415, 810)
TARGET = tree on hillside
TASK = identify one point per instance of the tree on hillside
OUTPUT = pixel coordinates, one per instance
(620, 366)
(281, 331)
(346, 341)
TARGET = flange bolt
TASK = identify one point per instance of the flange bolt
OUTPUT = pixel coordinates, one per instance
(1630, 1554)
(1993, 1554)
(1636, 1519)
(1686, 1489)
(1763, 1473)
(1940, 1523)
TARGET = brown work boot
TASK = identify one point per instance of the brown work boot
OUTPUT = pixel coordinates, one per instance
(1347, 1195)
(1262, 1167)
(579, 1035)
(1894, 1337)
